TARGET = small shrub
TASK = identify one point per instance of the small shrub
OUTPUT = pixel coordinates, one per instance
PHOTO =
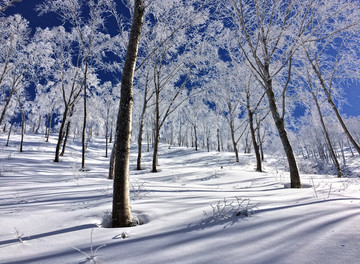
(91, 258)
(225, 209)
(18, 235)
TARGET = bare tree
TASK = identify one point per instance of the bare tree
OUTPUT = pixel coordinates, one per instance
(315, 95)
(267, 35)
(147, 97)
(15, 60)
(328, 87)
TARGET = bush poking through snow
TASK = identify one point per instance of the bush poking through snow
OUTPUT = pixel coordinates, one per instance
(220, 211)
(18, 236)
(137, 190)
(77, 173)
(93, 253)
(244, 208)
(224, 209)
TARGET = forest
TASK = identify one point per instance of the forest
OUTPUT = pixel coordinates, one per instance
(135, 81)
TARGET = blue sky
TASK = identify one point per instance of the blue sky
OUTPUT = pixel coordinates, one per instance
(26, 9)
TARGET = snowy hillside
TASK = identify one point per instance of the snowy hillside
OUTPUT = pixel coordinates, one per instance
(200, 208)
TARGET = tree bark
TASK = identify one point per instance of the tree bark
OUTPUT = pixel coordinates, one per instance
(253, 137)
(331, 149)
(112, 163)
(233, 140)
(61, 135)
(121, 211)
(195, 138)
(6, 105)
(156, 150)
(85, 116)
(22, 125)
(48, 127)
(218, 139)
(156, 131)
(11, 125)
(279, 122)
(67, 130)
(141, 127)
(38, 126)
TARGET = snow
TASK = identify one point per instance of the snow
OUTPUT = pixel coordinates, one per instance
(60, 212)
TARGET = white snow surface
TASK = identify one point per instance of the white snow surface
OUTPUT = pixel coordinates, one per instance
(201, 207)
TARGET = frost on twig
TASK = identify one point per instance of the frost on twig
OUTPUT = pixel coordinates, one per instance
(18, 235)
(77, 173)
(224, 209)
(137, 190)
(91, 258)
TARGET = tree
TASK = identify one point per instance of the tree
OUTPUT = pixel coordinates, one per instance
(15, 63)
(168, 43)
(5, 4)
(344, 59)
(267, 37)
(315, 95)
(121, 211)
(87, 38)
(170, 102)
(252, 108)
(148, 94)
(227, 98)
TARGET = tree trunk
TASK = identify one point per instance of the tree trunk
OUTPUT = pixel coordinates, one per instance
(352, 153)
(48, 127)
(331, 149)
(106, 142)
(61, 134)
(85, 116)
(208, 143)
(279, 122)
(253, 137)
(232, 132)
(156, 132)
(180, 131)
(67, 130)
(148, 140)
(6, 105)
(121, 211)
(195, 138)
(22, 126)
(141, 127)
(11, 125)
(260, 140)
(218, 139)
(111, 132)
(38, 127)
(156, 125)
(112, 163)
(156, 151)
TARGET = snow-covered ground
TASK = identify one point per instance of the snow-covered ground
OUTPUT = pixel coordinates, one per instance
(200, 208)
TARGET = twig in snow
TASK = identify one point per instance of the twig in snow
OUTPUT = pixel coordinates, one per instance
(93, 253)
